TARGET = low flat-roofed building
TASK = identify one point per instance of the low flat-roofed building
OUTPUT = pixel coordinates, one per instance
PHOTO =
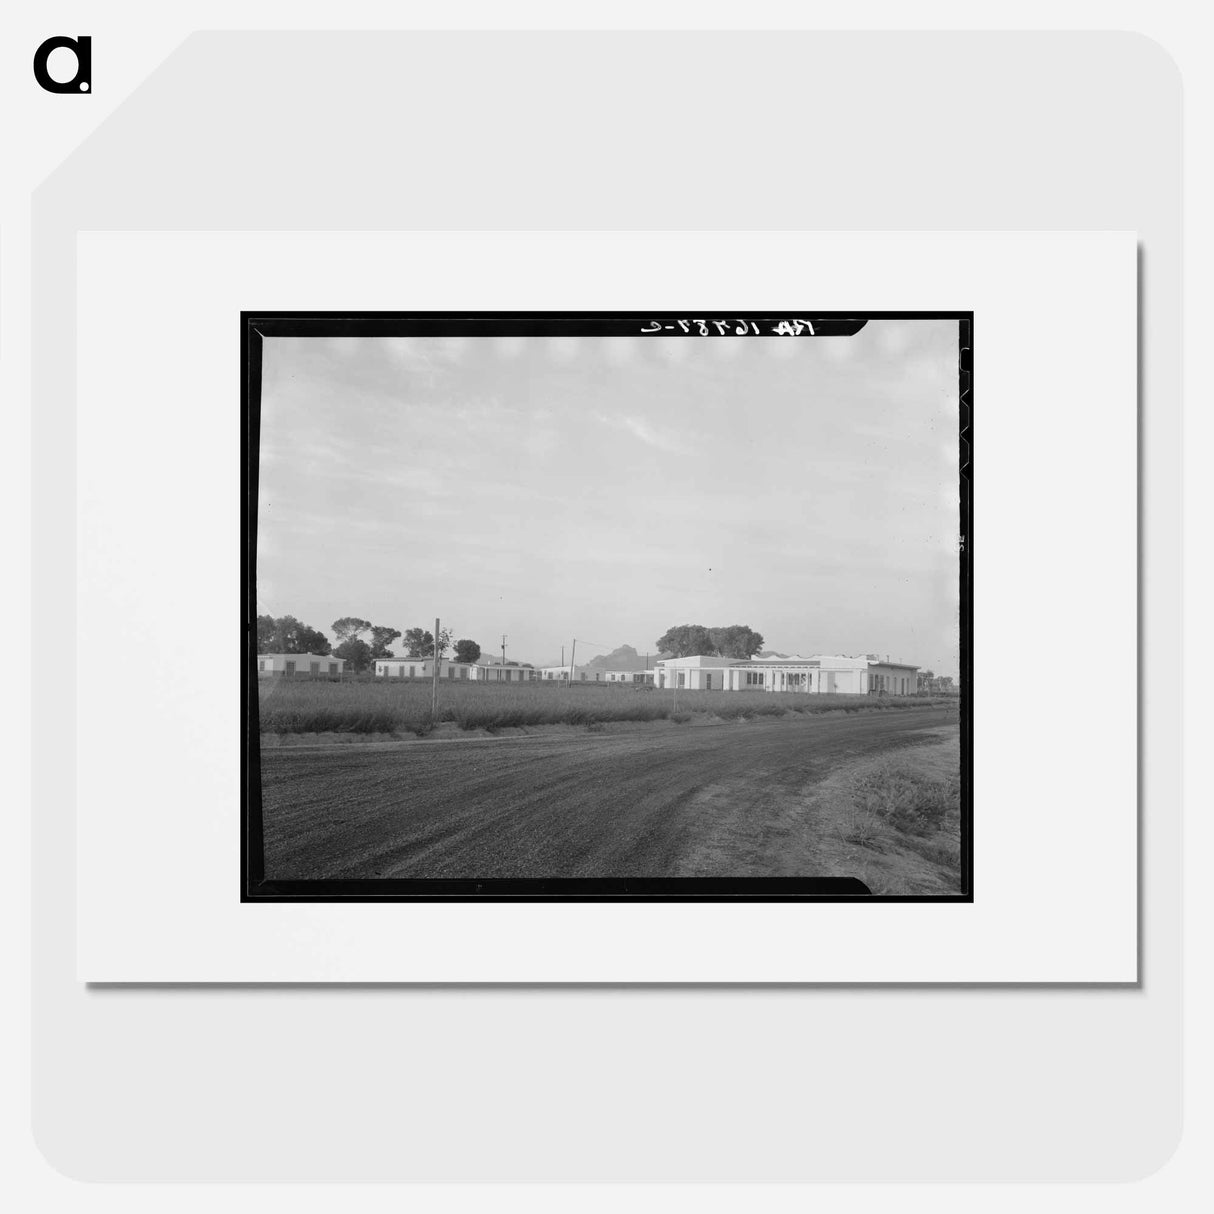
(581, 674)
(292, 665)
(626, 676)
(422, 668)
(694, 673)
(493, 670)
(821, 674)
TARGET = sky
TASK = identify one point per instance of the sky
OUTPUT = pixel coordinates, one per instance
(608, 488)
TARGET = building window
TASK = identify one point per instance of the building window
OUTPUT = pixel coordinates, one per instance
(289, 668)
(332, 667)
(463, 672)
(261, 665)
(754, 678)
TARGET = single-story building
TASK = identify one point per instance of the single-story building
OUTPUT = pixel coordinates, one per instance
(493, 671)
(449, 668)
(627, 676)
(821, 674)
(581, 674)
(276, 665)
(422, 668)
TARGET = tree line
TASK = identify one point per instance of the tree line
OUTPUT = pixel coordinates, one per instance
(359, 642)
(694, 640)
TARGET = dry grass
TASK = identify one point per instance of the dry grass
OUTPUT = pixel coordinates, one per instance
(403, 706)
(897, 820)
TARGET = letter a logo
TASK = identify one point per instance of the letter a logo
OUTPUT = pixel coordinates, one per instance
(82, 81)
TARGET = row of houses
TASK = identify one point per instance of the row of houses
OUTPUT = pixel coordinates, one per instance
(819, 674)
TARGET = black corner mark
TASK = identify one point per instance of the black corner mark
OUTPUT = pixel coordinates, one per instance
(82, 48)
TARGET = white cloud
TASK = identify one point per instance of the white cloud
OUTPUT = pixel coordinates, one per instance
(647, 433)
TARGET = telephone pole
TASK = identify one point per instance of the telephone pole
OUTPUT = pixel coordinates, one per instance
(434, 681)
(503, 649)
(572, 655)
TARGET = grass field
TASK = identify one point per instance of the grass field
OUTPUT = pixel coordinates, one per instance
(319, 706)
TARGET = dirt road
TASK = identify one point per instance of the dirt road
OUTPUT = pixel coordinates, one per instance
(717, 801)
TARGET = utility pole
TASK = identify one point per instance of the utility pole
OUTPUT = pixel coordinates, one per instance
(562, 655)
(503, 649)
(434, 681)
(572, 655)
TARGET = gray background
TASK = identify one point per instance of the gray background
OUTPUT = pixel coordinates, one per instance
(621, 131)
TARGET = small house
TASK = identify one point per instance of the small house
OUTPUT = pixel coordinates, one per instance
(299, 665)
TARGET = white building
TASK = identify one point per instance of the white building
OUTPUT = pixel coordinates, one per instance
(449, 668)
(821, 674)
(494, 671)
(272, 665)
(558, 674)
(594, 674)
(422, 668)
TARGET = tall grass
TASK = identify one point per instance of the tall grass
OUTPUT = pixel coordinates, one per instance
(914, 809)
(403, 706)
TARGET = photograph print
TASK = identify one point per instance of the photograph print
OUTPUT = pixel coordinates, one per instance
(607, 606)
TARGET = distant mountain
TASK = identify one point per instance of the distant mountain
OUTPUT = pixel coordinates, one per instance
(771, 653)
(624, 658)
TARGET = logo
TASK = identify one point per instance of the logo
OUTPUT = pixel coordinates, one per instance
(82, 81)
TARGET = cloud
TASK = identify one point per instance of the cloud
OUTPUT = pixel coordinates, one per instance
(647, 433)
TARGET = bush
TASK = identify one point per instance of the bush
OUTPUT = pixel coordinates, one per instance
(363, 704)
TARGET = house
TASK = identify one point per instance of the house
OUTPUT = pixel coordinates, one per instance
(493, 670)
(292, 665)
(449, 668)
(820, 674)
(423, 668)
(627, 676)
(581, 674)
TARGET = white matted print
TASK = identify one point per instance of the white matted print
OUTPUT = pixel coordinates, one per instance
(1041, 383)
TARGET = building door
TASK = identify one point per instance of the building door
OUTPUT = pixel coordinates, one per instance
(314, 667)
(289, 668)
(707, 682)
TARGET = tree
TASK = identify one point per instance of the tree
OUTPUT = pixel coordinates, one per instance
(357, 653)
(736, 641)
(381, 638)
(266, 625)
(420, 643)
(287, 635)
(350, 626)
(467, 651)
(310, 640)
(692, 640)
(686, 640)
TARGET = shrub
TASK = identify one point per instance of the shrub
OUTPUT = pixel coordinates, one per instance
(370, 705)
